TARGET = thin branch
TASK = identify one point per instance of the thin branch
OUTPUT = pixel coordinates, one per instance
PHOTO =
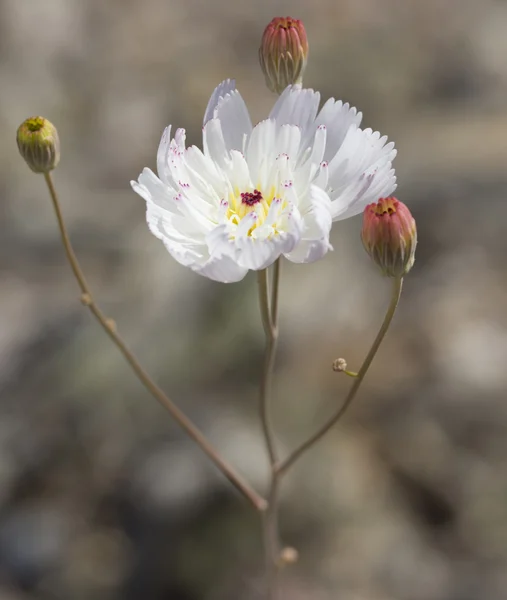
(283, 466)
(271, 537)
(274, 292)
(271, 332)
(110, 328)
(269, 313)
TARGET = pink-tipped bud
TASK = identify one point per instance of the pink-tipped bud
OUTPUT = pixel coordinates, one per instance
(389, 236)
(283, 53)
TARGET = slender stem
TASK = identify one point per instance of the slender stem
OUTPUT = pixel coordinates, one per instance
(271, 331)
(109, 327)
(274, 292)
(272, 538)
(283, 466)
(269, 314)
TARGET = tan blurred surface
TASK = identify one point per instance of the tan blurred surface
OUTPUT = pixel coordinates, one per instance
(101, 497)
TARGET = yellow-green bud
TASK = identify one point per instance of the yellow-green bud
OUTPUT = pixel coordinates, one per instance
(39, 144)
(283, 53)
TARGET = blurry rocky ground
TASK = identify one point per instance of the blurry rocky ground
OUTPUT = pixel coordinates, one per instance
(101, 497)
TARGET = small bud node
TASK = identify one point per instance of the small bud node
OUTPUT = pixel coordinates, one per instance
(289, 556)
(111, 325)
(86, 299)
(339, 365)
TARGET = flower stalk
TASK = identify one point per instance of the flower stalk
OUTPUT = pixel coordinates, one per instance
(283, 466)
(110, 328)
(269, 314)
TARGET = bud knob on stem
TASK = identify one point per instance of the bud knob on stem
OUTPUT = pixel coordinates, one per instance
(39, 144)
(389, 236)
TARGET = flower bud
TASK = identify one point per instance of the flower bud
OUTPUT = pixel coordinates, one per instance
(39, 144)
(283, 53)
(389, 236)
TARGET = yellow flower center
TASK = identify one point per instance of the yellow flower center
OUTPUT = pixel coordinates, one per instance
(243, 203)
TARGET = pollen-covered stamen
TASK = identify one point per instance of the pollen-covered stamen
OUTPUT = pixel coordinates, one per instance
(251, 198)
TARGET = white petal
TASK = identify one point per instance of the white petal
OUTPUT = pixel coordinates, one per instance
(184, 243)
(163, 215)
(245, 251)
(317, 225)
(288, 140)
(337, 117)
(233, 115)
(259, 254)
(296, 106)
(322, 176)
(193, 254)
(196, 210)
(164, 225)
(222, 269)
(238, 172)
(361, 169)
(150, 187)
(256, 253)
(246, 223)
(308, 251)
(203, 170)
(260, 151)
(307, 171)
(220, 243)
(318, 219)
(214, 143)
(219, 92)
(186, 255)
(163, 156)
(319, 145)
(380, 185)
(217, 268)
(274, 212)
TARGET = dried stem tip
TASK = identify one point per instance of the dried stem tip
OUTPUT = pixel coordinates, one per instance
(39, 144)
(283, 53)
(389, 236)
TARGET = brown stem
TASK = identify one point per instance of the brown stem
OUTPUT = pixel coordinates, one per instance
(283, 466)
(109, 327)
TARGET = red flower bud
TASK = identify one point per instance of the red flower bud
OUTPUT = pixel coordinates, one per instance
(389, 236)
(283, 53)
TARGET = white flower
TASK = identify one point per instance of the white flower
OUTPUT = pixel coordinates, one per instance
(254, 194)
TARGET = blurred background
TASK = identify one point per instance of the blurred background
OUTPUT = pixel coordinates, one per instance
(101, 496)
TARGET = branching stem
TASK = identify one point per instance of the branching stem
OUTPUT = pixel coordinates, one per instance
(110, 328)
(284, 465)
